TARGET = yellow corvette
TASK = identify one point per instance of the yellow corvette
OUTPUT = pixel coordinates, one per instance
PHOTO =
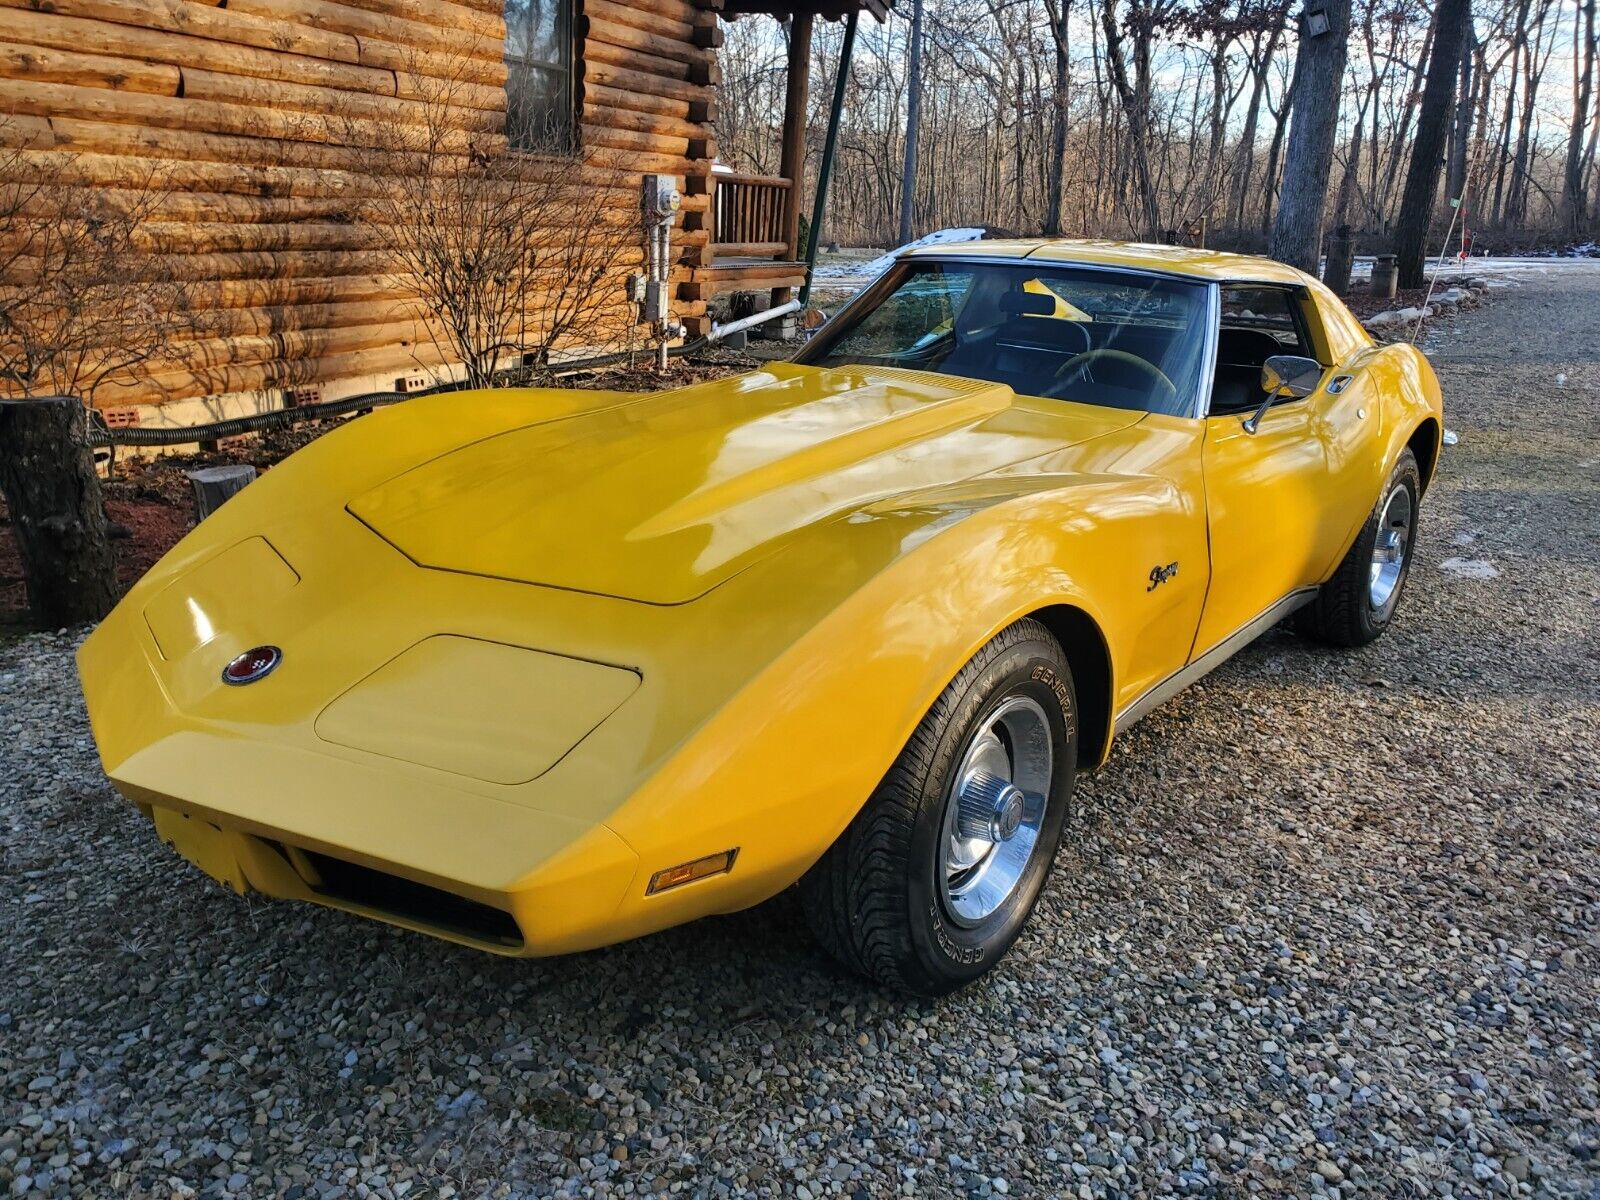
(543, 670)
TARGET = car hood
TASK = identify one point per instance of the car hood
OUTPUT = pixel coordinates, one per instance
(660, 498)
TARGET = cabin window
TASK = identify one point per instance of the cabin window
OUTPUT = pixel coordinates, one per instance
(539, 92)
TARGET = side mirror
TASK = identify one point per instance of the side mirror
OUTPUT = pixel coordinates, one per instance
(1284, 375)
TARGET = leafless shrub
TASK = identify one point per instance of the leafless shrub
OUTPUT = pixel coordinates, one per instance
(82, 305)
(512, 254)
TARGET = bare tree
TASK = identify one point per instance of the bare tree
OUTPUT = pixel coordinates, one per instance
(1059, 12)
(83, 304)
(74, 310)
(1314, 124)
(1461, 128)
(511, 253)
(1130, 40)
(1119, 117)
(908, 173)
(1584, 48)
(1451, 21)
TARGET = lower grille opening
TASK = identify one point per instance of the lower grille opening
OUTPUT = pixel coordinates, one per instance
(427, 906)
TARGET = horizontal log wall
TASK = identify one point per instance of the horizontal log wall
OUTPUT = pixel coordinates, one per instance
(250, 116)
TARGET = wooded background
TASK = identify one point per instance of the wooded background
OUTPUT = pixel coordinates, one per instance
(1116, 118)
(246, 200)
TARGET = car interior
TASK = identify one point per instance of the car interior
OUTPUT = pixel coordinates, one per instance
(1041, 353)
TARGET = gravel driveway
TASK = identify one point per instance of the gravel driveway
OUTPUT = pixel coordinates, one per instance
(1327, 925)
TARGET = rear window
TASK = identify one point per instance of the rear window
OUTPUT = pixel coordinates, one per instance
(1270, 310)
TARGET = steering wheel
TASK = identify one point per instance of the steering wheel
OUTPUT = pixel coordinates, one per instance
(1077, 367)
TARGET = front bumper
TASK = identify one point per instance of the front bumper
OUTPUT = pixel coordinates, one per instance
(440, 861)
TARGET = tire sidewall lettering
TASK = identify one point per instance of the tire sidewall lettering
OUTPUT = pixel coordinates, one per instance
(966, 956)
(1046, 674)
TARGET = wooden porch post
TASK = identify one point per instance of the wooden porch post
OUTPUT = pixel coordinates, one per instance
(793, 161)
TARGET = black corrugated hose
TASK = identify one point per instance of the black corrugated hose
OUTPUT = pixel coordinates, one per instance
(101, 434)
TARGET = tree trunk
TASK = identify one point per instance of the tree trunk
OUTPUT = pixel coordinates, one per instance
(1058, 117)
(1402, 131)
(1244, 159)
(48, 481)
(1347, 183)
(1451, 21)
(908, 174)
(1135, 99)
(1314, 124)
(1573, 200)
(1536, 57)
(1274, 153)
(1503, 157)
(1461, 135)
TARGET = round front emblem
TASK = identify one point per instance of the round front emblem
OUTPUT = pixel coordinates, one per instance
(252, 665)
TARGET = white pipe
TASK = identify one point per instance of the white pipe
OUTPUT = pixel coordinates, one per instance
(718, 332)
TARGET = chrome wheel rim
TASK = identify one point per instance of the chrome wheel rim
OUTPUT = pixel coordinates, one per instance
(1390, 549)
(994, 810)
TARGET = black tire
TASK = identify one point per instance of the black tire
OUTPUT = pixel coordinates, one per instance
(874, 900)
(1345, 612)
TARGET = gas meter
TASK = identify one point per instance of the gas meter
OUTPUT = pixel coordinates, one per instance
(659, 202)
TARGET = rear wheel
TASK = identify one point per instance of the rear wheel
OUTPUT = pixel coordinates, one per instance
(932, 882)
(1355, 606)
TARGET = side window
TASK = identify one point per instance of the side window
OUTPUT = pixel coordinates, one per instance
(1267, 310)
(1257, 323)
(539, 91)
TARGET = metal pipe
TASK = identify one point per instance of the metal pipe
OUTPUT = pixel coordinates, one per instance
(819, 206)
(718, 332)
(287, 418)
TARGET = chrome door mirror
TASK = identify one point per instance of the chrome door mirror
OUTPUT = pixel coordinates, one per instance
(1284, 376)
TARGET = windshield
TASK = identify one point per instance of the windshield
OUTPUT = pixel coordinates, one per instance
(1115, 339)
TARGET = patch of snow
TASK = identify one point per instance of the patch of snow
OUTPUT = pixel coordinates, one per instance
(1465, 538)
(1470, 568)
(877, 266)
(1454, 295)
(1451, 437)
(1400, 316)
(1561, 379)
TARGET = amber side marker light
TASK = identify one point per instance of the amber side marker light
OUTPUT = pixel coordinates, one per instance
(700, 868)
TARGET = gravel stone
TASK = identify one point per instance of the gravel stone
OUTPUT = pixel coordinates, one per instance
(1327, 925)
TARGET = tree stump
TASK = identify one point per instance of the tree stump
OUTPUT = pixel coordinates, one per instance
(213, 485)
(1341, 256)
(48, 480)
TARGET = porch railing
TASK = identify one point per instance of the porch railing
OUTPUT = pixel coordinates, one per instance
(747, 216)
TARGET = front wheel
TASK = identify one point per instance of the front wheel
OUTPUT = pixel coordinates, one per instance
(931, 883)
(1355, 606)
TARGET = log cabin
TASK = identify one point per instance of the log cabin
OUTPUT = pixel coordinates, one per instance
(231, 105)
